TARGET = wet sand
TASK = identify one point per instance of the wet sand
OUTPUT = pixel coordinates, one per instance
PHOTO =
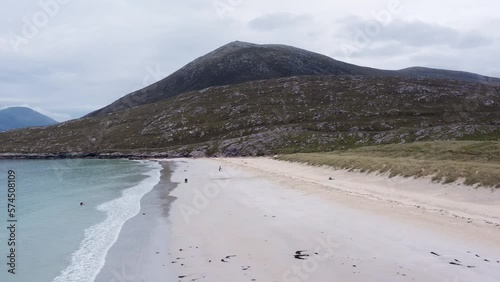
(141, 253)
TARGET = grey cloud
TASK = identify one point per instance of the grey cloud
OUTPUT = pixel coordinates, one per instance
(412, 33)
(278, 21)
(418, 34)
(472, 40)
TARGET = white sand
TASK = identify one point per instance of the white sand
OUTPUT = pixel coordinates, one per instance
(362, 227)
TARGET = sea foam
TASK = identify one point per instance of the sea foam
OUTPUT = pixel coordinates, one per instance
(89, 259)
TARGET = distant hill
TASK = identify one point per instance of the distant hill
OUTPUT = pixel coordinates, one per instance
(240, 62)
(21, 117)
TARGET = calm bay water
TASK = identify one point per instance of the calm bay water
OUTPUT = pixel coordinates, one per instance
(56, 238)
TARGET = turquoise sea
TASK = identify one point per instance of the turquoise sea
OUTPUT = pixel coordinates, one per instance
(56, 238)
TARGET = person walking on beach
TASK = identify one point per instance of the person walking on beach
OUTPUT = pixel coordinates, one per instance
(220, 168)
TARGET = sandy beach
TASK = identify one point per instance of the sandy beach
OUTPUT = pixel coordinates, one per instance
(265, 220)
(141, 252)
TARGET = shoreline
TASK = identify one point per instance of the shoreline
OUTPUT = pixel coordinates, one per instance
(141, 250)
(101, 236)
(266, 220)
(107, 156)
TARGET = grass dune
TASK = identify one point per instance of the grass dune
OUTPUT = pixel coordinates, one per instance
(478, 163)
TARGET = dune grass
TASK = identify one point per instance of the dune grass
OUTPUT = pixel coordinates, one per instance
(476, 162)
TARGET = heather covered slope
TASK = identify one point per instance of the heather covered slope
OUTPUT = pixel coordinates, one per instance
(308, 113)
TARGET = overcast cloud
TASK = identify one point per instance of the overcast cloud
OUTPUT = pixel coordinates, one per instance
(277, 21)
(66, 58)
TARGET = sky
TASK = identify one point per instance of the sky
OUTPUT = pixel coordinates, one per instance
(66, 58)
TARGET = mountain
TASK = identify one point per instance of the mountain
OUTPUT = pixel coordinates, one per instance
(235, 63)
(296, 114)
(21, 117)
(247, 99)
(240, 62)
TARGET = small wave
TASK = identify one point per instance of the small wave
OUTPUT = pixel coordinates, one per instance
(89, 259)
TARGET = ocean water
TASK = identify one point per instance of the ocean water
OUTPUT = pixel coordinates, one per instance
(56, 238)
